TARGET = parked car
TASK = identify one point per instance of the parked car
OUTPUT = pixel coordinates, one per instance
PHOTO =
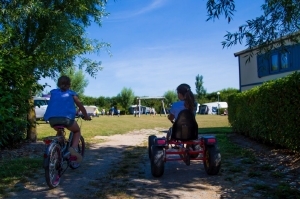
(40, 106)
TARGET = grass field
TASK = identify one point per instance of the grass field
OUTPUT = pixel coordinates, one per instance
(108, 125)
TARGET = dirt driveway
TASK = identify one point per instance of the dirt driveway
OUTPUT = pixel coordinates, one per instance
(105, 172)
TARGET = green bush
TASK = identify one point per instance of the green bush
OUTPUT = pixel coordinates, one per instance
(15, 89)
(269, 112)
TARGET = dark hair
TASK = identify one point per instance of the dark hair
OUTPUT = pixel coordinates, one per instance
(64, 83)
(189, 99)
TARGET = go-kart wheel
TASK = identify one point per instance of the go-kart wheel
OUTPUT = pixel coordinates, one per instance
(157, 161)
(212, 164)
(150, 143)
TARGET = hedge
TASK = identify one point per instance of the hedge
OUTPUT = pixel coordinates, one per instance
(269, 113)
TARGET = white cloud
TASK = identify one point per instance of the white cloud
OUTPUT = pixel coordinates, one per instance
(123, 15)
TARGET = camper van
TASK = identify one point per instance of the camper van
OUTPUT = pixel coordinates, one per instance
(91, 111)
(212, 107)
(40, 106)
(134, 109)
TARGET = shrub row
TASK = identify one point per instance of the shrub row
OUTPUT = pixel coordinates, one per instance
(15, 88)
(269, 113)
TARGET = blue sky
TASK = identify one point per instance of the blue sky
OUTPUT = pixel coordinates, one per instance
(158, 44)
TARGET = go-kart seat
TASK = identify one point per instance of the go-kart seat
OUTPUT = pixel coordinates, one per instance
(185, 126)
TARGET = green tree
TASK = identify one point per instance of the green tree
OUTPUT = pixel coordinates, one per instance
(201, 92)
(88, 100)
(126, 98)
(223, 97)
(14, 90)
(48, 36)
(170, 97)
(279, 19)
(225, 93)
(101, 102)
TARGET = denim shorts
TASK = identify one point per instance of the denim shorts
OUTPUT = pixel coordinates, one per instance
(60, 121)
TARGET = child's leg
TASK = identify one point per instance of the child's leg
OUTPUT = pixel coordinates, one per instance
(76, 136)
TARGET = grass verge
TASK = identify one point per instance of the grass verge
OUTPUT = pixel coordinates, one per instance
(16, 171)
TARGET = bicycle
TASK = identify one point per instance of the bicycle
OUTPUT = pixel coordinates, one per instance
(57, 155)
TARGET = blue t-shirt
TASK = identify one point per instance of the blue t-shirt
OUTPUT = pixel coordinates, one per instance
(176, 108)
(61, 104)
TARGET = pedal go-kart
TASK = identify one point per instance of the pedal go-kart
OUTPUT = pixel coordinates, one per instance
(183, 140)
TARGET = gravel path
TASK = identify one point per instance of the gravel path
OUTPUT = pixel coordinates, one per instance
(178, 181)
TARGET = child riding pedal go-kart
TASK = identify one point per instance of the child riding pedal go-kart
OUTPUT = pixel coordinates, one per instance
(184, 138)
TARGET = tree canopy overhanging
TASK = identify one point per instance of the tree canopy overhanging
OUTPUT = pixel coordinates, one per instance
(52, 33)
(40, 39)
(280, 18)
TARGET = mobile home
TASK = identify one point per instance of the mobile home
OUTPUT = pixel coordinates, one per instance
(135, 109)
(267, 66)
(91, 110)
(212, 107)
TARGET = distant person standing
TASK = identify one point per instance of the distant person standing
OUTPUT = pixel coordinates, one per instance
(112, 111)
(225, 111)
(153, 111)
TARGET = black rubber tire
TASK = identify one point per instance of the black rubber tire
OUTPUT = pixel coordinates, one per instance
(150, 144)
(212, 164)
(80, 149)
(157, 161)
(53, 168)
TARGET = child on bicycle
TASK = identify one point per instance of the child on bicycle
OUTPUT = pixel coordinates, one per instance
(61, 110)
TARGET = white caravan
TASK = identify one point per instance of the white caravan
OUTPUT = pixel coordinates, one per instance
(212, 107)
(40, 106)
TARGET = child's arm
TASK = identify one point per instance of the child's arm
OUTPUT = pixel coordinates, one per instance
(171, 117)
(81, 108)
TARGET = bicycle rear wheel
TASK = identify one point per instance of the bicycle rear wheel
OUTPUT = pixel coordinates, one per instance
(53, 168)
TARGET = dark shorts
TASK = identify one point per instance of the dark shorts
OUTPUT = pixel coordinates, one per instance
(61, 121)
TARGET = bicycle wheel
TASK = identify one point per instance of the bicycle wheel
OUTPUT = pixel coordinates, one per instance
(53, 167)
(81, 146)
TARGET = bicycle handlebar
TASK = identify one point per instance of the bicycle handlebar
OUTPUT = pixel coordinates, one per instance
(80, 116)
